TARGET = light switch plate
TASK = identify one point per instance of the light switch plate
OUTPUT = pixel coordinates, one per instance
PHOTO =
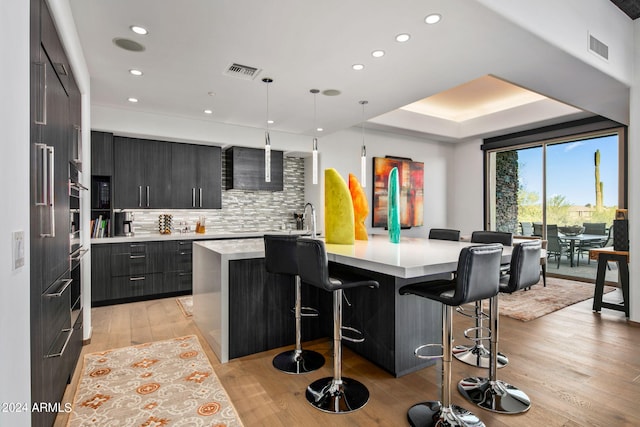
(17, 240)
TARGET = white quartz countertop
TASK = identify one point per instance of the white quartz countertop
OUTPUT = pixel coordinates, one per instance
(412, 257)
(156, 236)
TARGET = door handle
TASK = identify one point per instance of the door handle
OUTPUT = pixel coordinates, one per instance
(147, 196)
(50, 188)
(139, 196)
(201, 197)
(193, 197)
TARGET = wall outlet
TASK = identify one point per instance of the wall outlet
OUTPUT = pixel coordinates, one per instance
(17, 242)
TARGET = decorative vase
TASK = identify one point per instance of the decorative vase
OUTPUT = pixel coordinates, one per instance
(338, 210)
(393, 207)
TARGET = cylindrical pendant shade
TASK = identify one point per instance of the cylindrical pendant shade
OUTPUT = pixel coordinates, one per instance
(363, 167)
(267, 157)
(314, 157)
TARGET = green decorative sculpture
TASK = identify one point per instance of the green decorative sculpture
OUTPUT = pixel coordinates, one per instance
(393, 207)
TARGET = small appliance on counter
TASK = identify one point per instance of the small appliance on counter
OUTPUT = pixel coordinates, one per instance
(124, 224)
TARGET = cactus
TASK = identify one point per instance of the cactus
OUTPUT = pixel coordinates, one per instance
(599, 184)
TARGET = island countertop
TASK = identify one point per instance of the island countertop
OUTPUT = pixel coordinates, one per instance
(412, 257)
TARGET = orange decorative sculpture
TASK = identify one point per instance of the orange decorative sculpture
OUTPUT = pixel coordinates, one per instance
(360, 207)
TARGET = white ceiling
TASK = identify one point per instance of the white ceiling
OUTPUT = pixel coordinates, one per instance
(304, 45)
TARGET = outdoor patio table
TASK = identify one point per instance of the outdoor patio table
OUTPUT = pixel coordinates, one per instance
(580, 238)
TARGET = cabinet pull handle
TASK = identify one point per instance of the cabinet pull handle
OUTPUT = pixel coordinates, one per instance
(139, 196)
(136, 279)
(64, 347)
(136, 245)
(184, 253)
(40, 71)
(50, 188)
(137, 256)
(41, 198)
(201, 197)
(61, 290)
(78, 254)
(184, 274)
(147, 196)
(77, 144)
(193, 197)
(184, 243)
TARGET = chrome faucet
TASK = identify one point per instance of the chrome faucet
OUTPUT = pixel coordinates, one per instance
(313, 218)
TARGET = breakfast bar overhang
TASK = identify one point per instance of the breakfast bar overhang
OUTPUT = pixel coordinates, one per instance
(393, 325)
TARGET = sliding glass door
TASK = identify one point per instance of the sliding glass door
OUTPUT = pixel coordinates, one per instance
(566, 191)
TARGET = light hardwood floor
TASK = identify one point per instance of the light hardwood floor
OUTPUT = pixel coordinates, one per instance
(578, 368)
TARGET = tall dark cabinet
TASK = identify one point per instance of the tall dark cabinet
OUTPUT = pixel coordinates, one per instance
(55, 111)
(195, 176)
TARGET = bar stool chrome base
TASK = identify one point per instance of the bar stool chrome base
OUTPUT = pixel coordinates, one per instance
(427, 414)
(477, 355)
(494, 396)
(298, 362)
(330, 396)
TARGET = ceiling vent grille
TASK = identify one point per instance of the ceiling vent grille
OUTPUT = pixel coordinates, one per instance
(242, 71)
(599, 48)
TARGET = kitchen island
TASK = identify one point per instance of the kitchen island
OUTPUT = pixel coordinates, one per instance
(393, 325)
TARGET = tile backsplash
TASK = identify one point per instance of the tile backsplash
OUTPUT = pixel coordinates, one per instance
(241, 210)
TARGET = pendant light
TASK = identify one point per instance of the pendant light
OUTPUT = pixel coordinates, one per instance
(267, 139)
(314, 153)
(363, 152)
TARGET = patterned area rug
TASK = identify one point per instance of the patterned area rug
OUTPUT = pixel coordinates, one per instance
(538, 301)
(163, 383)
(186, 305)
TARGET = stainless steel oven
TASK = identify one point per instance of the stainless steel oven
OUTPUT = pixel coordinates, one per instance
(76, 251)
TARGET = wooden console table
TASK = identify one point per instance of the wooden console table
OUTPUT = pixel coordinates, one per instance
(603, 256)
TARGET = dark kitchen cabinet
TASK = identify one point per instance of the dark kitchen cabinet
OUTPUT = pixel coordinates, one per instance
(196, 176)
(245, 169)
(101, 153)
(142, 173)
(55, 102)
(122, 272)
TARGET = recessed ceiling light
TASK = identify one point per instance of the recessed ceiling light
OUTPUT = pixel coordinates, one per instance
(139, 30)
(403, 37)
(135, 72)
(134, 100)
(319, 129)
(377, 53)
(270, 122)
(211, 93)
(208, 111)
(357, 67)
(434, 18)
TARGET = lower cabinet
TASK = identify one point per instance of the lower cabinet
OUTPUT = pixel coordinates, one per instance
(122, 272)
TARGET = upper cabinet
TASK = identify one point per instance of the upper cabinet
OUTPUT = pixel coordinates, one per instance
(195, 177)
(245, 169)
(101, 153)
(160, 174)
(142, 173)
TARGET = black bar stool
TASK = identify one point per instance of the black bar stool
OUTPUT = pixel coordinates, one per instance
(477, 278)
(477, 354)
(491, 393)
(280, 252)
(335, 394)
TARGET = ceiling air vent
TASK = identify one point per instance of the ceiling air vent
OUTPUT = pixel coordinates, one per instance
(242, 71)
(599, 48)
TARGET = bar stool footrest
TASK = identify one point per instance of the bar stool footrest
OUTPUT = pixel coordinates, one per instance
(494, 396)
(416, 352)
(434, 414)
(359, 335)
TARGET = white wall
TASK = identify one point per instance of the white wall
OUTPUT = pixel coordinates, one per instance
(466, 199)
(634, 182)
(15, 369)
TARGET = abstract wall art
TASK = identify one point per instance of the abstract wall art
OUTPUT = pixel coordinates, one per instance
(411, 178)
